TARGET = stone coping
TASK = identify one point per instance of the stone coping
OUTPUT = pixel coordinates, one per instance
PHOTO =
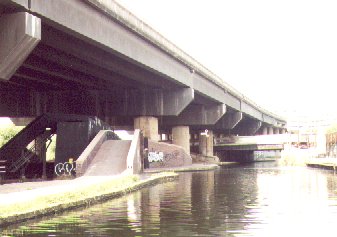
(193, 167)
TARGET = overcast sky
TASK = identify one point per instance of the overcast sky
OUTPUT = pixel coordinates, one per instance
(281, 54)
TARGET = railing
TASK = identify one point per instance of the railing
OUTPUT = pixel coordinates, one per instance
(29, 153)
(2, 169)
(13, 148)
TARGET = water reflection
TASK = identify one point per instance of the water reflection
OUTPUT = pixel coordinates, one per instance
(254, 200)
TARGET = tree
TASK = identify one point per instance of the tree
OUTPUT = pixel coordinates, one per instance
(8, 132)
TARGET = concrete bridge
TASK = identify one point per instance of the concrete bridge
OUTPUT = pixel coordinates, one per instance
(94, 58)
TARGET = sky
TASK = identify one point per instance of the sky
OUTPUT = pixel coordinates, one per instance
(280, 54)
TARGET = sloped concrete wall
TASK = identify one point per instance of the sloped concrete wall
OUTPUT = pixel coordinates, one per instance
(173, 155)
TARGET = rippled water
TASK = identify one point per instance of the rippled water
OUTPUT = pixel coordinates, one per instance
(257, 200)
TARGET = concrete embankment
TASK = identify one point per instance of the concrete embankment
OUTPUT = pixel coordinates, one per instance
(29, 204)
(323, 163)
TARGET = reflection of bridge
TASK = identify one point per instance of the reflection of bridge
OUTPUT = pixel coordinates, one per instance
(95, 58)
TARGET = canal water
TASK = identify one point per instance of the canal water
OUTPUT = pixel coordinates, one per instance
(254, 200)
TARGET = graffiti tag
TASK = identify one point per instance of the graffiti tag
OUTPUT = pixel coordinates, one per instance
(155, 156)
(64, 168)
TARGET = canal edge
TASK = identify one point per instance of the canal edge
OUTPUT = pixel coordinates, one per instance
(87, 202)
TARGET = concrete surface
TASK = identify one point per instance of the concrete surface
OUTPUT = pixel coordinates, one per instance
(110, 159)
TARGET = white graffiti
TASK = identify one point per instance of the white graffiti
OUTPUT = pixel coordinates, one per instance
(155, 156)
(65, 168)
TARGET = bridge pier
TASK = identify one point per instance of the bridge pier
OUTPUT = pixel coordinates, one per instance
(181, 137)
(149, 126)
(270, 130)
(41, 152)
(206, 143)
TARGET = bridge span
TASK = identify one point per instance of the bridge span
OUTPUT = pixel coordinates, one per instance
(95, 58)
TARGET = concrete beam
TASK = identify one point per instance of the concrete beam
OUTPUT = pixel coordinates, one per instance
(17, 3)
(150, 102)
(251, 111)
(247, 127)
(123, 102)
(20, 33)
(229, 120)
(81, 20)
(203, 86)
(196, 114)
(253, 127)
(268, 119)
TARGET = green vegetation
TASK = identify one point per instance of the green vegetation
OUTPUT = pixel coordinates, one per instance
(332, 129)
(7, 132)
(51, 149)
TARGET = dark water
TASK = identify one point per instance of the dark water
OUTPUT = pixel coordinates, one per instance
(257, 200)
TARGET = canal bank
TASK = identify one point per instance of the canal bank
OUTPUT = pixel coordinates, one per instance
(323, 163)
(28, 201)
(24, 201)
(258, 200)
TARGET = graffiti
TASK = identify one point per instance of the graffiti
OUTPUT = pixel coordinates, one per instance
(163, 159)
(65, 168)
(155, 156)
(171, 156)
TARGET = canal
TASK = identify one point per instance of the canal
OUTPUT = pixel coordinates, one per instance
(253, 200)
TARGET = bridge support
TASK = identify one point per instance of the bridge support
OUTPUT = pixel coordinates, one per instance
(229, 120)
(20, 33)
(206, 143)
(197, 114)
(265, 131)
(149, 126)
(181, 137)
(270, 131)
(247, 127)
(41, 152)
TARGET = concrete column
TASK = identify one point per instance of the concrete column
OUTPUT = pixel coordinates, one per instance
(181, 137)
(265, 131)
(270, 131)
(149, 126)
(276, 131)
(283, 131)
(206, 143)
(41, 152)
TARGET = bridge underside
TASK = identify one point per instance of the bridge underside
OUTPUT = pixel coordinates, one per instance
(79, 58)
